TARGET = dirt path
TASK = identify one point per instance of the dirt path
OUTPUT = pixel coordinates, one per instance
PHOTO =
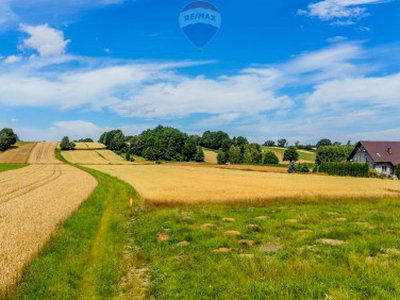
(33, 202)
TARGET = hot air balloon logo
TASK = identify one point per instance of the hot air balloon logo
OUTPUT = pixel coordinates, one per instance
(200, 21)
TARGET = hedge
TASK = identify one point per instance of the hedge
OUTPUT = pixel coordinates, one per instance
(345, 169)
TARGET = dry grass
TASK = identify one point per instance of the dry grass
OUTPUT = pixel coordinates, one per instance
(163, 184)
(33, 201)
(210, 157)
(83, 146)
(17, 155)
(96, 157)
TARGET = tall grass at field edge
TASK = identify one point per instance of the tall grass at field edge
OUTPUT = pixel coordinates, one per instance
(85, 260)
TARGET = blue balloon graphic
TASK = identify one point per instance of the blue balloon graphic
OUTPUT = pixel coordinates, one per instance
(200, 21)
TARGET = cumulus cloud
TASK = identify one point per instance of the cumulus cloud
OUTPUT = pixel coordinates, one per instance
(44, 39)
(340, 12)
(320, 92)
(13, 59)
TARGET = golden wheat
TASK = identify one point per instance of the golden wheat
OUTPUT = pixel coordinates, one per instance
(33, 201)
(210, 157)
(187, 184)
(16, 155)
(83, 146)
(101, 157)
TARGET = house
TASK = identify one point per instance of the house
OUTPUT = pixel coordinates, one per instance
(381, 156)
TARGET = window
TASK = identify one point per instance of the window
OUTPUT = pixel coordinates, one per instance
(384, 169)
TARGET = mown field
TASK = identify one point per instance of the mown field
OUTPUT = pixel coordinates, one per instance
(172, 184)
(304, 156)
(338, 249)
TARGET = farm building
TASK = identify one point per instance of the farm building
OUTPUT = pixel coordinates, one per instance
(381, 156)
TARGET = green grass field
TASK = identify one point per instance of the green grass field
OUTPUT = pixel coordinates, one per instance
(284, 250)
(310, 156)
(8, 167)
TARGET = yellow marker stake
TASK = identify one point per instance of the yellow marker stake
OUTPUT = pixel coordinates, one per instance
(131, 202)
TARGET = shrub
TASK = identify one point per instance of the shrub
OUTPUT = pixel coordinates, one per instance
(332, 154)
(373, 173)
(292, 167)
(345, 169)
(222, 158)
(398, 171)
(128, 157)
(158, 162)
(304, 169)
(271, 158)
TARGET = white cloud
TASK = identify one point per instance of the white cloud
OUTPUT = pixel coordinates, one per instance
(222, 119)
(7, 16)
(13, 59)
(44, 39)
(362, 92)
(340, 12)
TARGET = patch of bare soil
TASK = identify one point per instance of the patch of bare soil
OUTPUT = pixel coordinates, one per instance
(270, 247)
(228, 220)
(161, 237)
(249, 243)
(233, 232)
(332, 242)
(222, 250)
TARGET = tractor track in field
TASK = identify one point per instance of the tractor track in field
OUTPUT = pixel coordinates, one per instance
(34, 200)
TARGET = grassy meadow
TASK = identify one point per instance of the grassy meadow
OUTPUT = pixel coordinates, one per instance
(341, 249)
(303, 154)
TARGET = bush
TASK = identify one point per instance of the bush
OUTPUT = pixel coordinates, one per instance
(271, 158)
(292, 167)
(304, 169)
(128, 157)
(158, 162)
(345, 169)
(222, 158)
(398, 171)
(373, 173)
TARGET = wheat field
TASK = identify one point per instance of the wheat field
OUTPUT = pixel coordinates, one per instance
(33, 201)
(17, 155)
(83, 146)
(165, 184)
(96, 157)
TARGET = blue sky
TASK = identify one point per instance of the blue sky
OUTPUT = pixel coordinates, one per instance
(302, 70)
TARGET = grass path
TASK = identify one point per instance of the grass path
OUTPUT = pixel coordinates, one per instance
(85, 260)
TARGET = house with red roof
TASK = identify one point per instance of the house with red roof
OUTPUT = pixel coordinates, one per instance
(381, 156)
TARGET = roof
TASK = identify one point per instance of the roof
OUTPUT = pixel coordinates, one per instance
(380, 152)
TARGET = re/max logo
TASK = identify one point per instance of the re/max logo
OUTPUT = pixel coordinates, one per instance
(201, 16)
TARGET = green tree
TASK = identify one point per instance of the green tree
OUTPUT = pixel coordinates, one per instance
(282, 143)
(324, 142)
(7, 138)
(291, 154)
(66, 144)
(332, 154)
(240, 141)
(247, 156)
(199, 156)
(189, 150)
(271, 158)
(117, 141)
(269, 143)
(235, 155)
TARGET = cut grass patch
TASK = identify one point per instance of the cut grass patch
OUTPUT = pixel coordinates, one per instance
(314, 258)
